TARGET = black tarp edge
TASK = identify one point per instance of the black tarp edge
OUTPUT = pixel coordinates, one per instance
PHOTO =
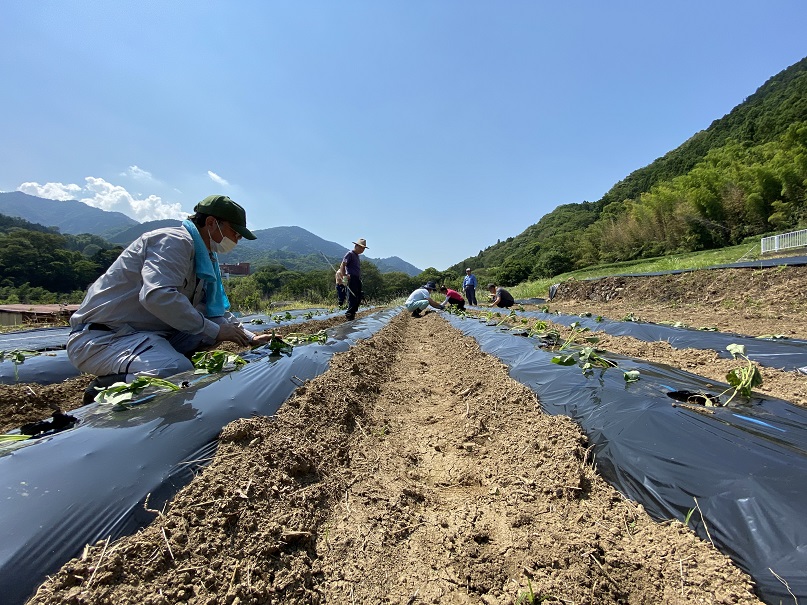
(745, 464)
(89, 483)
(784, 354)
(52, 364)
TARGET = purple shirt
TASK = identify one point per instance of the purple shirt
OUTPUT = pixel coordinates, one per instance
(352, 264)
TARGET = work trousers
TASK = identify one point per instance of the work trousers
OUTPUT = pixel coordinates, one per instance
(353, 296)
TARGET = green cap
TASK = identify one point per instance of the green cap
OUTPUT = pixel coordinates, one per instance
(224, 208)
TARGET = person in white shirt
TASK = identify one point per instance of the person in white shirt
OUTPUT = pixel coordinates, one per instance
(421, 298)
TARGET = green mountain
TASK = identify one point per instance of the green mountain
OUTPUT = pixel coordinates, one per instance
(69, 216)
(743, 176)
(293, 247)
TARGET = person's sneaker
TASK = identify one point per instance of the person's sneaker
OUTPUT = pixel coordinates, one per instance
(350, 317)
(427, 311)
(416, 313)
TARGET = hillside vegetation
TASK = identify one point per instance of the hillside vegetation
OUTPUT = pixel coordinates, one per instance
(40, 265)
(744, 176)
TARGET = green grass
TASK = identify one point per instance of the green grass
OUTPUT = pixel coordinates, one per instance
(689, 260)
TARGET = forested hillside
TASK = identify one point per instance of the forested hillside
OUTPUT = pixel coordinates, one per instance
(40, 265)
(745, 175)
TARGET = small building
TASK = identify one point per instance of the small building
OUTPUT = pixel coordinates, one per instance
(20, 315)
(233, 269)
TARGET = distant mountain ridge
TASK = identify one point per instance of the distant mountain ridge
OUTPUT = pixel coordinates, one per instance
(293, 247)
(69, 216)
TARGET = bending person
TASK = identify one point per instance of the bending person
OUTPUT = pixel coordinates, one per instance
(501, 297)
(162, 300)
(452, 298)
(421, 299)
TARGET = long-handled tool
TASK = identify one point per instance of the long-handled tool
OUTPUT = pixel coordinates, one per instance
(335, 271)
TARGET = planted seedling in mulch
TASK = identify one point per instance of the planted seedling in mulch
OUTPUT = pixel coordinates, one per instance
(17, 356)
(744, 378)
(213, 362)
(576, 331)
(589, 358)
(455, 310)
(278, 346)
(298, 338)
(512, 316)
(122, 392)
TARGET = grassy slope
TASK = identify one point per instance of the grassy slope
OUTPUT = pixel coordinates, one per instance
(691, 260)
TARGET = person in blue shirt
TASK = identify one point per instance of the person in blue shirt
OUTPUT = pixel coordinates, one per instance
(469, 286)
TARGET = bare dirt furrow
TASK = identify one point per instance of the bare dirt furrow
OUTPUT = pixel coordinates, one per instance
(413, 471)
(747, 301)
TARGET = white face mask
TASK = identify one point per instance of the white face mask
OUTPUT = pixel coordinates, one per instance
(224, 246)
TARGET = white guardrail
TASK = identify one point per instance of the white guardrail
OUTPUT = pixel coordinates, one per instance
(794, 239)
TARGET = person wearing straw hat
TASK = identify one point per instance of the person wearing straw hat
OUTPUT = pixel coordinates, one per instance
(349, 274)
(162, 300)
(422, 298)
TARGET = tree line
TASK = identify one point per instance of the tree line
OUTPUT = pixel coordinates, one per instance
(256, 292)
(743, 177)
(39, 265)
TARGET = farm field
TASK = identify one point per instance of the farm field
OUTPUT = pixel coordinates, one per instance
(417, 471)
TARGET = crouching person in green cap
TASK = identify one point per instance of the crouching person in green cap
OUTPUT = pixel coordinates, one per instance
(161, 300)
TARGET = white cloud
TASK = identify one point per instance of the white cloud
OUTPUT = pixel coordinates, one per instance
(216, 178)
(138, 173)
(106, 196)
(51, 191)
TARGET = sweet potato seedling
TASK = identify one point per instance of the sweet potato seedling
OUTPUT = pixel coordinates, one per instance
(589, 358)
(576, 331)
(17, 356)
(742, 379)
(121, 392)
(298, 338)
(212, 362)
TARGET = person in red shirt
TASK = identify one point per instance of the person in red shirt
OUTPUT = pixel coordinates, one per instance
(452, 298)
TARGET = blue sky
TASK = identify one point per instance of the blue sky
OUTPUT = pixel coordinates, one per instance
(430, 128)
